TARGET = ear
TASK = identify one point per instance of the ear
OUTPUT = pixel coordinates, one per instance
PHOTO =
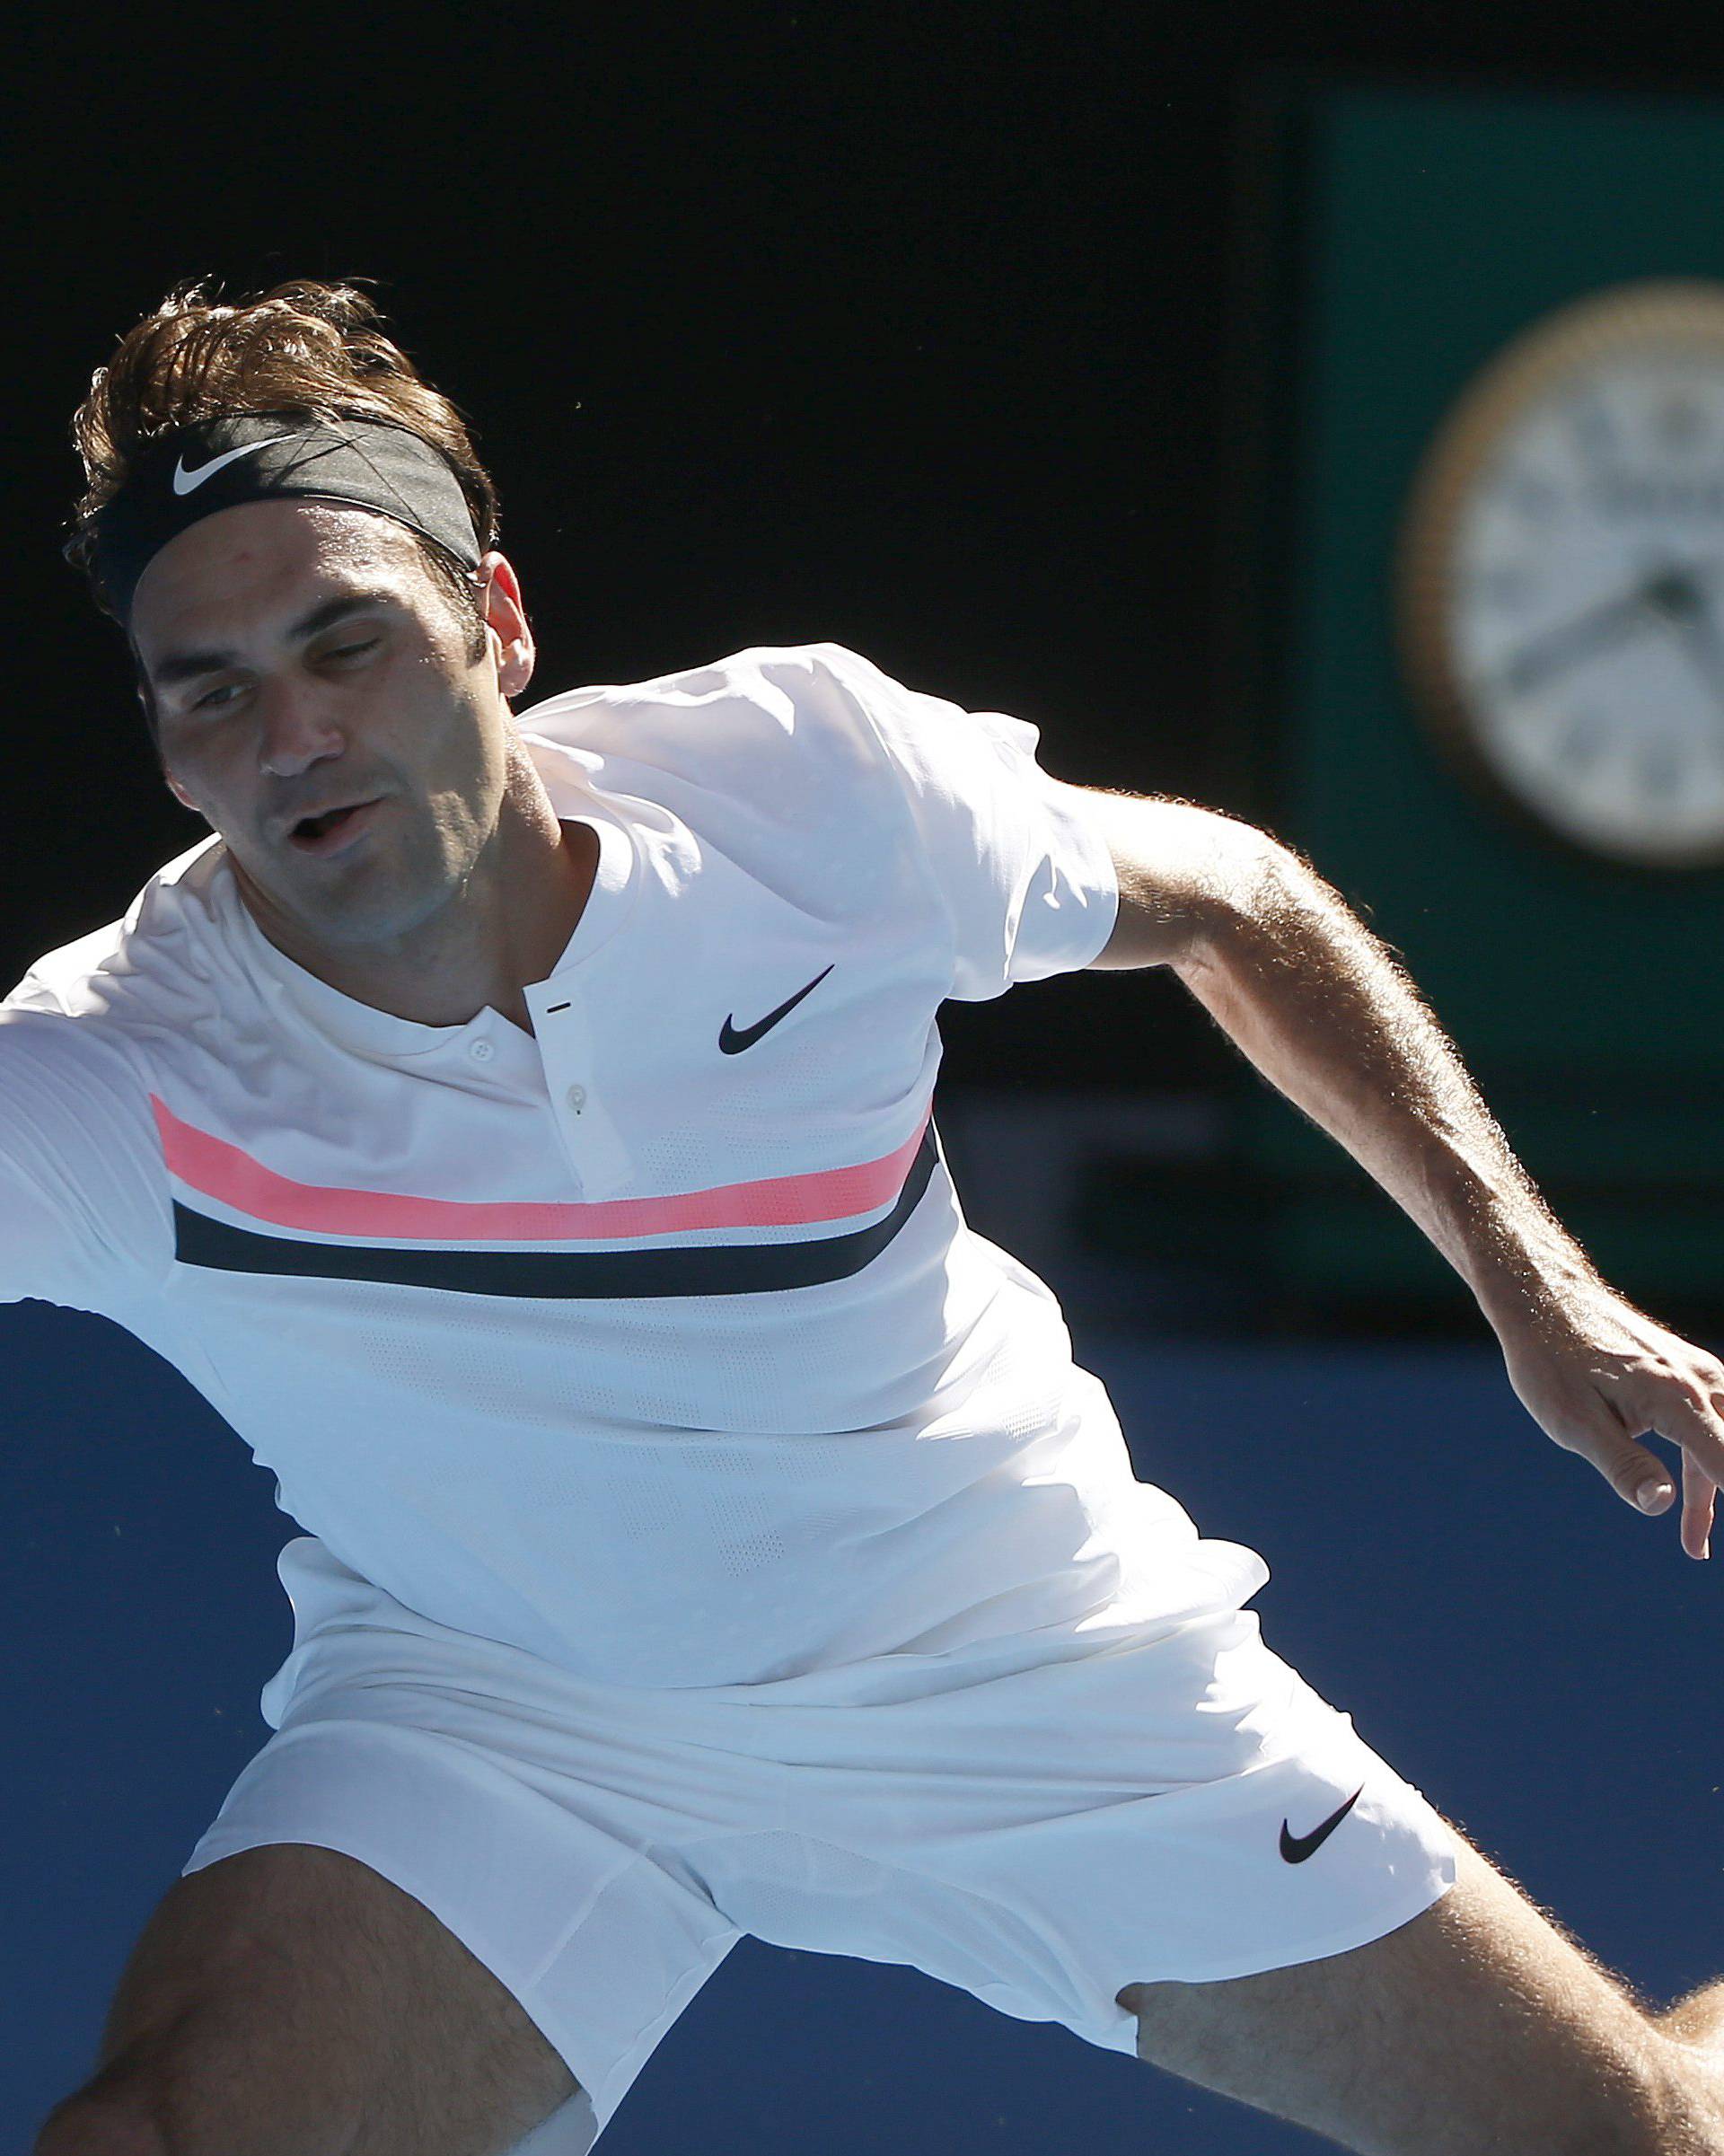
(506, 616)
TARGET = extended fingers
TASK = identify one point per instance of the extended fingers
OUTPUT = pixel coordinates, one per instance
(1699, 1493)
(1697, 1425)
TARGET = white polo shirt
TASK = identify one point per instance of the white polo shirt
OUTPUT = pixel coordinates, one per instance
(654, 1342)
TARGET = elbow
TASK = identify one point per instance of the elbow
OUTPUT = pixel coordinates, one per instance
(1244, 886)
(1248, 896)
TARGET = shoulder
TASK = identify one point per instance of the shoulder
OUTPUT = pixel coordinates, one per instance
(795, 711)
(89, 1015)
(79, 1065)
(87, 1216)
(769, 677)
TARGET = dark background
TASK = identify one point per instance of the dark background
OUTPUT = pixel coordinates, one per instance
(904, 326)
(956, 335)
(922, 330)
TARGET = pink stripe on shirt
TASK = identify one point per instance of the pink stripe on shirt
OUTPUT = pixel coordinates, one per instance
(228, 1173)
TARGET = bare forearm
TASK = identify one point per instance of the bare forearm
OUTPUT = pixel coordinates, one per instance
(1325, 1010)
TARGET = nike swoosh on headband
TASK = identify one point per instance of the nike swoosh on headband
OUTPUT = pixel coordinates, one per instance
(184, 480)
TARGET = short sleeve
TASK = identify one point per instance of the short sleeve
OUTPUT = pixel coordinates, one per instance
(79, 1213)
(1027, 881)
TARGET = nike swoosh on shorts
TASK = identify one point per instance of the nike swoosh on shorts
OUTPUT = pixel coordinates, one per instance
(1296, 1848)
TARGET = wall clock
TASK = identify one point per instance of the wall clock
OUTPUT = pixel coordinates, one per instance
(1558, 580)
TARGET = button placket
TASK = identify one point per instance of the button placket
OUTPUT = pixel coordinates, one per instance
(592, 1146)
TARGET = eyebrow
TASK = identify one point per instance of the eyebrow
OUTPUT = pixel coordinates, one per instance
(187, 666)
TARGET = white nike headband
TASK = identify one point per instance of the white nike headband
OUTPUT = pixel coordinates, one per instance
(257, 457)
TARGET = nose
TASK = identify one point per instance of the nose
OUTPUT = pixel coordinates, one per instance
(299, 726)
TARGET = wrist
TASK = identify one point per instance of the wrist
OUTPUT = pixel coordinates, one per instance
(1513, 1253)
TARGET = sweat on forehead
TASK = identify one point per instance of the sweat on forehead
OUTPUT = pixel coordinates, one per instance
(263, 555)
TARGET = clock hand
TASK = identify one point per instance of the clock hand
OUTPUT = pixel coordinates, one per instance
(1601, 625)
(1693, 620)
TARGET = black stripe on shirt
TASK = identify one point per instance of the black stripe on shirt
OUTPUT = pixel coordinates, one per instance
(721, 1269)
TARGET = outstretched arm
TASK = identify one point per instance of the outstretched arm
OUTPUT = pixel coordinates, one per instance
(1326, 1013)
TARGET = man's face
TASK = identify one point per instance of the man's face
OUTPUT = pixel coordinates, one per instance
(300, 654)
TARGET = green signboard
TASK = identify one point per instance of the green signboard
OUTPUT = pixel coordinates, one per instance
(1493, 379)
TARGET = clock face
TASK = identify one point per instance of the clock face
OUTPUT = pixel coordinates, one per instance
(1561, 577)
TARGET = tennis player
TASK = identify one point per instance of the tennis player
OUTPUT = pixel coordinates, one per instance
(520, 1127)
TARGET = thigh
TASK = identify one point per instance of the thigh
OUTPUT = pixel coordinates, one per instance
(1476, 2026)
(289, 1997)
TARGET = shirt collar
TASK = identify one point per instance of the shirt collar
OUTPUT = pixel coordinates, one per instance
(363, 1030)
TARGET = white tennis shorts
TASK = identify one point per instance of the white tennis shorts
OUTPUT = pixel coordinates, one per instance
(1037, 1820)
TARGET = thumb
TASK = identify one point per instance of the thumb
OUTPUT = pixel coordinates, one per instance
(1639, 1477)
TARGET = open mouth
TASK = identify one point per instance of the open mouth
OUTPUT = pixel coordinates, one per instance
(312, 832)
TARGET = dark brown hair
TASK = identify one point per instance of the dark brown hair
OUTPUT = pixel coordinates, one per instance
(303, 346)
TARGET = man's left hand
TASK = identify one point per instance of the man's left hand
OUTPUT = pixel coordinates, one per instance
(1596, 1374)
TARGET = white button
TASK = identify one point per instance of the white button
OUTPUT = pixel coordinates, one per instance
(577, 1098)
(481, 1052)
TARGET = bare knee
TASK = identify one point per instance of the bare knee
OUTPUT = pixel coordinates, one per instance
(129, 2106)
(292, 1997)
(1476, 2025)
(93, 2122)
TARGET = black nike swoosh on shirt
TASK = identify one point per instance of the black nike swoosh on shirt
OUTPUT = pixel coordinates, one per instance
(1296, 1848)
(732, 1042)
